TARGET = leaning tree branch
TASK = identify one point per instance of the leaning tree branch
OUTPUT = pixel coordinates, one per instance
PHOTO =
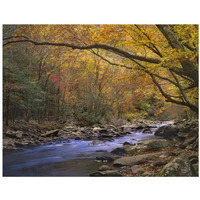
(115, 50)
(12, 37)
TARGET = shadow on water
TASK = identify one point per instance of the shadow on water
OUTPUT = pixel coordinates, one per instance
(65, 158)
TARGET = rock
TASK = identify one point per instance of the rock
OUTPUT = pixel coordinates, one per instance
(104, 159)
(104, 135)
(19, 134)
(181, 137)
(147, 130)
(127, 143)
(14, 134)
(51, 133)
(96, 142)
(116, 134)
(136, 169)
(195, 144)
(167, 131)
(101, 151)
(193, 159)
(190, 140)
(147, 145)
(103, 130)
(196, 169)
(180, 166)
(83, 130)
(106, 173)
(150, 126)
(68, 128)
(172, 154)
(160, 162)
(118, 151)
(104, 168)
(140, 127)
(159, 131)
(96, 129)
(21, 144)
(147, 174)
(135, 160)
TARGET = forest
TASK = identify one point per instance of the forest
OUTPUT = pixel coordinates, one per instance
(92, 76)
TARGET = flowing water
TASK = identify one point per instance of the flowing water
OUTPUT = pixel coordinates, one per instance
(65, 158)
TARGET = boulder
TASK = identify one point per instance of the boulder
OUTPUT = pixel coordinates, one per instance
(135, 160)
(159, 131)
(136, 169)
(160, 162)
(96, 129)
(83, 130)
(106, 173)
(147, 130)
(127, 143)
(180, 166)
(14, 134)
(167, 131)
(147, 145)
(147, 174)
(127, 128)
(68, 128)
(118, 151)
(103, 130)
(193, 159)
(104, 168)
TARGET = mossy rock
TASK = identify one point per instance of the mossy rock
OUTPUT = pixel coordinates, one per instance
(180, 166)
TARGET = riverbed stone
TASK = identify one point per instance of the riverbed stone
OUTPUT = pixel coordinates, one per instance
(160, 162)
(136, 169)
(167, 131)
(147, 145)
(136, 160)
(14, 134)
(196, 169)
(180, 166)
(104, 168)
(106, 173)
(96, 142)
(68, 128)
(118, 151)
(193, 159)
(127, 128)
(147, 130)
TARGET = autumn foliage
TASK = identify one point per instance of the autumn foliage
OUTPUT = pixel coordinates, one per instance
(96, 72)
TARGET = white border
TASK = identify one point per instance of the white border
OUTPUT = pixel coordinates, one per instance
(98, 12)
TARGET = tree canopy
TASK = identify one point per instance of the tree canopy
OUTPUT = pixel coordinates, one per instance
(100, 68)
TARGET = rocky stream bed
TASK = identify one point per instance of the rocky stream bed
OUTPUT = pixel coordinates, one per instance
(133, 149)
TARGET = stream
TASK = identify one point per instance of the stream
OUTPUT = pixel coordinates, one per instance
(65, 158)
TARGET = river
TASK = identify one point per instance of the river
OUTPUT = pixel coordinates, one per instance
(65, 158)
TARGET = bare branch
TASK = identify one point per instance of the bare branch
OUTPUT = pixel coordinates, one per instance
(115, 50)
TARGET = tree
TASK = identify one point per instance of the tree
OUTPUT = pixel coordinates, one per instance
(168, 54)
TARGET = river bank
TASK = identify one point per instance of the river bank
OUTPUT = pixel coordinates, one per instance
(132, 149)
(22, 134)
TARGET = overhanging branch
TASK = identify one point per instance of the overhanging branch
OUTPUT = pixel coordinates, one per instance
(115, 50)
